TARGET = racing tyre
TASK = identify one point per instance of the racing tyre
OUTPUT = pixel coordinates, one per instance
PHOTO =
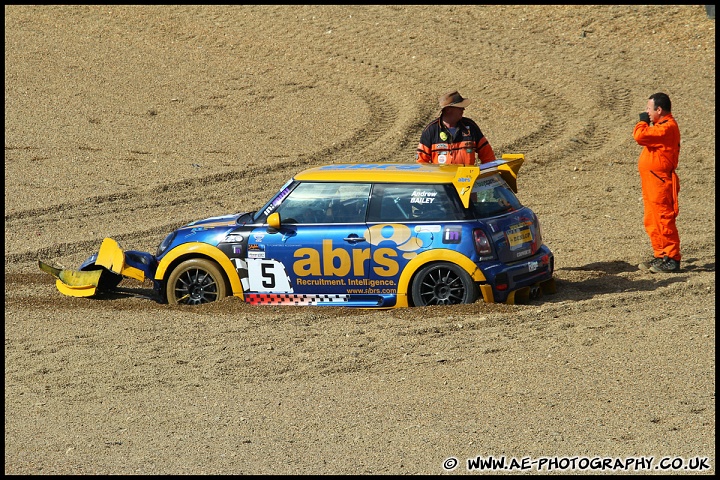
(443, 284)
(194, 282)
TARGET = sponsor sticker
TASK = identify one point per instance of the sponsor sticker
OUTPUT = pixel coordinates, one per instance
(234, 238)
(427, 228)
(256, 251)
(452, 235)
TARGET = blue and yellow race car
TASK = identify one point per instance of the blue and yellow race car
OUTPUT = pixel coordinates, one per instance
(372, 235)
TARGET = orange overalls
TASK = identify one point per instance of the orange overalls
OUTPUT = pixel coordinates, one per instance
(660, 184)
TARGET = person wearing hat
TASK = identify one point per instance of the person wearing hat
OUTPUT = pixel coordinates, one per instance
(452, 138)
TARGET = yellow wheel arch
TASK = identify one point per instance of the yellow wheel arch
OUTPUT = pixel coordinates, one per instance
(197, 249)
(438, 255)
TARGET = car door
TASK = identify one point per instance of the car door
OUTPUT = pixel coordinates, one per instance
(320, 252)
(405, 220)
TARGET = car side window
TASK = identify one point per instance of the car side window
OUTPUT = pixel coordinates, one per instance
(348, 203)
(414, 202)
(323, 202)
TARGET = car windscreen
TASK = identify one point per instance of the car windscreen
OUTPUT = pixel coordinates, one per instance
(491, 197)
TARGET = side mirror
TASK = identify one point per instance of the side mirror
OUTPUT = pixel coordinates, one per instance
(273, 221)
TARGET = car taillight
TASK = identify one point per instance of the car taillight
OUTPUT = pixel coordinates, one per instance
(482, 243)
(501, 281)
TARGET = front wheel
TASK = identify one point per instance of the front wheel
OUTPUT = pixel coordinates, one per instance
(443, 284)
(194, 282)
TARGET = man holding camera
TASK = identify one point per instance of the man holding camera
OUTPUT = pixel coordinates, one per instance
(659, 182)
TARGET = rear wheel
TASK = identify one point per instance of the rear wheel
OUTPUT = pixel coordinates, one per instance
(194, 282)
(443, 284)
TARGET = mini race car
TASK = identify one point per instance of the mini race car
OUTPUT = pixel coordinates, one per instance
(371, 235)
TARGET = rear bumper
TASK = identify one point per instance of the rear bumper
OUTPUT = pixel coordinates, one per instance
(533, 292)
(521, 281)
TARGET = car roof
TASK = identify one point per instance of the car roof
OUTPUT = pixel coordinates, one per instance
(381, 172)
(459, 175)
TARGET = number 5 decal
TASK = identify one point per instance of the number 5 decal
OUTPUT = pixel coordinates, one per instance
(267, 275)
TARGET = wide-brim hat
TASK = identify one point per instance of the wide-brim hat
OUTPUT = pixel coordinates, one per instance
(453, 99)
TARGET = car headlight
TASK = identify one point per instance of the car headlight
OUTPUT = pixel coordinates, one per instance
(166, 243)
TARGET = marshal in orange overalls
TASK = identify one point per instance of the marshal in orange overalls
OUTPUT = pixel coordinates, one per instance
(660, 184)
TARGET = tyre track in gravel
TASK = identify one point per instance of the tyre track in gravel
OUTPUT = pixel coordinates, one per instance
(148, 202)
(391, 133)
(391, 128)
(554, 139)
(154, 205)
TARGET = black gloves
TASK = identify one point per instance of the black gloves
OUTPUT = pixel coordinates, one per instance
(644, 117)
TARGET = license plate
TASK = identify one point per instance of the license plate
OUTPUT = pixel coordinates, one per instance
(519, 234)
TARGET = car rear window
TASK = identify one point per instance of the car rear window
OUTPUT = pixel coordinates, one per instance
(491, 197)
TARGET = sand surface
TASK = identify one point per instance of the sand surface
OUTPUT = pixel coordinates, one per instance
(127, 122)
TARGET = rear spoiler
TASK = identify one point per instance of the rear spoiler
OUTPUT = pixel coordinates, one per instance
(507, 166)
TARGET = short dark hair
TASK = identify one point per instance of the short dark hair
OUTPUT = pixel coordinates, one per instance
(661, 100)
